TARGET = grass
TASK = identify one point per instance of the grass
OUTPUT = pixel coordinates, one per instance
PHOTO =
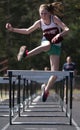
(76, 91)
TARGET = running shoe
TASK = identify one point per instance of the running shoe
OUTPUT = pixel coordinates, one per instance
(42, 87)
(44, 96)
(22, 53)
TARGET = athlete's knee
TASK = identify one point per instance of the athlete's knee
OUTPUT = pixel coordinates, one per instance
(53, 77)
(47, 47)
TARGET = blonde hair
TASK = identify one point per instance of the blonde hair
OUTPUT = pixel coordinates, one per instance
(56, 8)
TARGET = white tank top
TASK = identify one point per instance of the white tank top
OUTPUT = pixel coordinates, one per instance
(49, 31)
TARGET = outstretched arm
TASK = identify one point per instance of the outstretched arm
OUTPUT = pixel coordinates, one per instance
(23, 30)
(64, 28)
(64, 31)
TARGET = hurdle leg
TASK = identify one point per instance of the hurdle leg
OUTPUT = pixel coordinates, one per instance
(13, 95)
(71, 93)
(24, 96)
(27, 93)
(67, 79)
(10, 106)
(62, 94)
(19, 78)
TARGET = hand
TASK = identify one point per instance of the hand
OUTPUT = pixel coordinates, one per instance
(58, 38)
(9, 27)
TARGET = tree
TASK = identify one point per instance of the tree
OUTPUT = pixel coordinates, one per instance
(23, 14)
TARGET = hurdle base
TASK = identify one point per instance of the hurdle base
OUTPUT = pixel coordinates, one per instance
(40, 123)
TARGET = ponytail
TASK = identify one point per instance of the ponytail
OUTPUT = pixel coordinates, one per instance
(56, 8)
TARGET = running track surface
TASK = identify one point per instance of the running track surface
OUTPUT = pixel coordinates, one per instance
(4, 121)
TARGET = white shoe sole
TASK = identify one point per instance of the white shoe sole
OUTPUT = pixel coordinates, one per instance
(21, 52)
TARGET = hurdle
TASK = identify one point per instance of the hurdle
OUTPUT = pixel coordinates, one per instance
(4, 104)
(38, 76)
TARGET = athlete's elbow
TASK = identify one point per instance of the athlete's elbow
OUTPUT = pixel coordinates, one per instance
(67, 29)
(27, 31)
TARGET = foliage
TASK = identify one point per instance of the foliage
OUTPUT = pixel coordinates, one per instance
(24, 13)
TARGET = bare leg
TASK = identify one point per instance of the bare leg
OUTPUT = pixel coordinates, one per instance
(54, 61)
(39, 49)
(50, 83)
(23, 52)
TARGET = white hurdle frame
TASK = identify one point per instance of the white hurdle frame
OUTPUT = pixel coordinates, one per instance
(5, 80)
(39, 76)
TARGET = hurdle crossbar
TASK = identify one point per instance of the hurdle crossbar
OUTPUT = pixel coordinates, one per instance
(39, 76)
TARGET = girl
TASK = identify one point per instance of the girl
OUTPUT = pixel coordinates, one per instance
(51, 27)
